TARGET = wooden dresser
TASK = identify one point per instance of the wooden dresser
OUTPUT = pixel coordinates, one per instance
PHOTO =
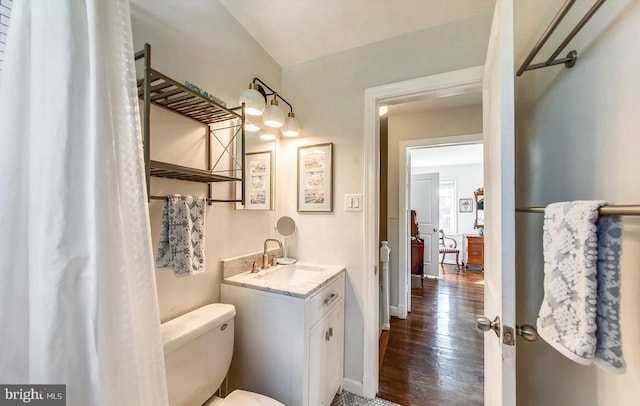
(417, 248)
(474, 251)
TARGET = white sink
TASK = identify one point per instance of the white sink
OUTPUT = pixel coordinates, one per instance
(290, 274)
(299, 279)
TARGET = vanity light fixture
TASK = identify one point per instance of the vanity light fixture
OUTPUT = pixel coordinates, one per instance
(291, 126)
(253, 99)
(272, 116)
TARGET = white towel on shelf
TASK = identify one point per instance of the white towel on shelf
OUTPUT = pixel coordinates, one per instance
(579, 314)
(181, 245)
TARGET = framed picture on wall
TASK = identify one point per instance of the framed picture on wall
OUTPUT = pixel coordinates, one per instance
(259, 180)
(315, 178)
(465, 205)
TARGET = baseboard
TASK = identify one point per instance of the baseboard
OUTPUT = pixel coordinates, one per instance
(352, 386)
(402, 312)
(398, 311)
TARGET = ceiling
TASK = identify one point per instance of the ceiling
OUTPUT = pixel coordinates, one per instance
(295, 31)
(431, 103)
(446, 156)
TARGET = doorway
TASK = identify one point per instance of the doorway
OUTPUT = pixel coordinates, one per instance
(425, 357)
(495, 80)
(454, 174)
(435, 86)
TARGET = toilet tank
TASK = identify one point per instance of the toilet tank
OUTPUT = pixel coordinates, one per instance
(198, 347)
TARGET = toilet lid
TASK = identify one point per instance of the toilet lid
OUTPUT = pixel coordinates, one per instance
(244, 398)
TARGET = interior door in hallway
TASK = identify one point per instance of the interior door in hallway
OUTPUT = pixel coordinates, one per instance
(425, 201)
(499, 228)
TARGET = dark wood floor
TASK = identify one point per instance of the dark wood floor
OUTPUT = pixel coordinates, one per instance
(435, 356)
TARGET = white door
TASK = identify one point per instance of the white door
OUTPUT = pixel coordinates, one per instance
(425, 201)
(499, 229)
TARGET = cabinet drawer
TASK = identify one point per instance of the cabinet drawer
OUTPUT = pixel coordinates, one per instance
(475, 245)
(322, 301)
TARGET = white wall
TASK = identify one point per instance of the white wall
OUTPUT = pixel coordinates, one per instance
(580, 141)
(5, 14)
(204, 44)
(329, 99)
(468, 178)
(417, 126)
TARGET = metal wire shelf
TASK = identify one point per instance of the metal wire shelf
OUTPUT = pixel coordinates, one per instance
(162, 91)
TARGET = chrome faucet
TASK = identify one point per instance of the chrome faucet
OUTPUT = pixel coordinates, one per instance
(265, 257)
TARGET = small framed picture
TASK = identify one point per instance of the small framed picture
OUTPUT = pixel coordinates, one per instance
(315, 178)
(259, 180)
(465, 205)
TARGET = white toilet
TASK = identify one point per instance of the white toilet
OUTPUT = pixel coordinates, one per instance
(198, 347)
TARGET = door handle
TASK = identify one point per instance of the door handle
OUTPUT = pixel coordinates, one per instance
(435, 230)
(484, 324)
(527, 331)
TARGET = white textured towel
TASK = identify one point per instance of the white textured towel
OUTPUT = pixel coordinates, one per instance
(579, 314)
(181, 245)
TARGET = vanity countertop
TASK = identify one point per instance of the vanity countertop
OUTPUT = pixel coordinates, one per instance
(314, 277)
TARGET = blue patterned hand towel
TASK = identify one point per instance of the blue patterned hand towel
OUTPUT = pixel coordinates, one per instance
(181, 245)
(579, 314)
(608, 335)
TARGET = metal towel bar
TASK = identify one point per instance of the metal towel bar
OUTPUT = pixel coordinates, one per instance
(208, 200)
(572, 56)
(628, 210)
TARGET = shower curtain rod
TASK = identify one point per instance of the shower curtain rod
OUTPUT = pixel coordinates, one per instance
(628, 210)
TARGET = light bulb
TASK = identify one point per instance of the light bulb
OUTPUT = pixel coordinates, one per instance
(253, 100)
(251, 127)
(273, 115)
(291, 126)
(267, 137)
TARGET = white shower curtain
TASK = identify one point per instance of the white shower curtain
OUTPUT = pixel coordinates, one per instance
(78, 302)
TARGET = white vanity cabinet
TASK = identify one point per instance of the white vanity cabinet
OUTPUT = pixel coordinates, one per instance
(287, 347)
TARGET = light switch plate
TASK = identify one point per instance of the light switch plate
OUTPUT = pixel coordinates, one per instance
(353, 202)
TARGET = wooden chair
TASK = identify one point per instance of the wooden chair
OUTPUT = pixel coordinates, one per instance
(448, 245)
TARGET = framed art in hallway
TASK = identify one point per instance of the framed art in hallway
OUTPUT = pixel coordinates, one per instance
(315, 178)
(465, 206)
(259, 180)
